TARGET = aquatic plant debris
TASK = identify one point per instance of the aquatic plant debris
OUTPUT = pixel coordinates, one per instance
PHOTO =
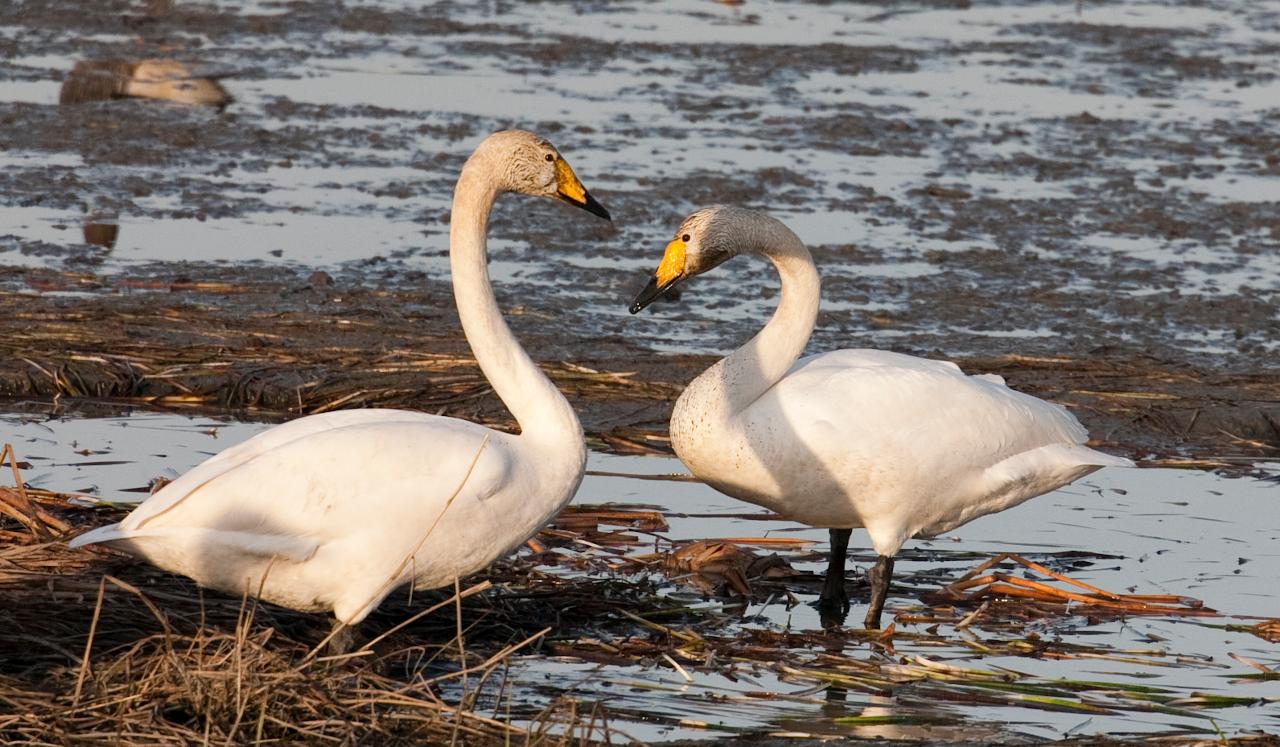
(997, 589)
(273, 351)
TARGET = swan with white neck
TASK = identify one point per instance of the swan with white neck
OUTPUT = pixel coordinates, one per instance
(333, 512)
(898, 445)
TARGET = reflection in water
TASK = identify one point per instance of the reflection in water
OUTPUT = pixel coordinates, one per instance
(885, 718)
(100, 80)
(101, 234)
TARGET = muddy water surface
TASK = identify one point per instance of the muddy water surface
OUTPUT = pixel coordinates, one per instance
(1004, 177)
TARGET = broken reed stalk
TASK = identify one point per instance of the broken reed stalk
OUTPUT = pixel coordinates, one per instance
(88, 644)
(502, 655)
(18, 504)
(155, 611)
(471, 590)
(997, 584)
(458, 635)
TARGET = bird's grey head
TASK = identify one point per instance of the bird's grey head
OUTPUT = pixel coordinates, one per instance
(526, 163)
(704, 241)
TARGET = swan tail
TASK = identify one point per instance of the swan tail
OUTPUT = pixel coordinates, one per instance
(95, 536)
(152, 543)
(1047, 467)
(1082, 454)
(1020, 478)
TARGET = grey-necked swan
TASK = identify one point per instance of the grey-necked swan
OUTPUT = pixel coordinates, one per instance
(902, 446)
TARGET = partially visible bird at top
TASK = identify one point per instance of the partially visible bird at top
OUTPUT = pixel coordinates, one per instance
(170, 80)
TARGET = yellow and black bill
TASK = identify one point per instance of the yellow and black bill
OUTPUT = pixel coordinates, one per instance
(669, 273)
(570, 190)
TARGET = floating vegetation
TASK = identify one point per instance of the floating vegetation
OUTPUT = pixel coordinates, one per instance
(276, 363)
(1005, 590)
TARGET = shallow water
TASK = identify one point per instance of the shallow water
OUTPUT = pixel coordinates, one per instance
(1107, 161)
(1166, 532)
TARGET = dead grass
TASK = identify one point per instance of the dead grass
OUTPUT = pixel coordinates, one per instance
(279, 352)
(96, 648)
(282, 349)
(146, 658)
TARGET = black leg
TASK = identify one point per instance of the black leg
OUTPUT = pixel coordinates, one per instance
(833, 605)
(878, 578)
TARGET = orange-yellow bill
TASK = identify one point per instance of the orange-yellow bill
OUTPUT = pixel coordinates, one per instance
(669, 272)
(569, 189)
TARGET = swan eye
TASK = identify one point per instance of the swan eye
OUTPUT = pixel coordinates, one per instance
(550, 157)
(685, 238)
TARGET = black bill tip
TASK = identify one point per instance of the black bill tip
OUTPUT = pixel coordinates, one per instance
(652, 291)
(588, 203)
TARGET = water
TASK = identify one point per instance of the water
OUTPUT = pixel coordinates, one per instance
(1169, 532)
(1124, 145)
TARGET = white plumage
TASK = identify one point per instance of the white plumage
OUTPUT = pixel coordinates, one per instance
(893, 443)
(899, 445)
(335, 507)
(335, 511)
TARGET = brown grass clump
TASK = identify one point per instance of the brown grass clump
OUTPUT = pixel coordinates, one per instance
(114, 667)
(96, 648)
(227, 687)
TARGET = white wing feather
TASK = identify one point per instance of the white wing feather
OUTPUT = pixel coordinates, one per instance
(337, 518)
(897, 444)
(879, 392)
(260, 444)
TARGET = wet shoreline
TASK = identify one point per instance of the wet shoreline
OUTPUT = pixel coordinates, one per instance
(309, 342)
(1008, 180)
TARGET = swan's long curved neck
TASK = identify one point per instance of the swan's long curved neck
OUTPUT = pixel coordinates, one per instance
(538, 406)
(752, 369)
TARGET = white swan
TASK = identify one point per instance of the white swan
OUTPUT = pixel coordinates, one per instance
(899, 445)
(330, 512)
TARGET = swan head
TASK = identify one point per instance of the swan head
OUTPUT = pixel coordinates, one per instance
(703, 242)
(523, 162)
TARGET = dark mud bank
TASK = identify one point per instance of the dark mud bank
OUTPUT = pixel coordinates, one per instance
(304, 344)
(975, 181)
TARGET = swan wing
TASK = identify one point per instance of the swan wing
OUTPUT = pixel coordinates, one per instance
(323, 480)
(262, 443)
(914, 445)
(337, 519)
(291, 548)
(875, 392)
